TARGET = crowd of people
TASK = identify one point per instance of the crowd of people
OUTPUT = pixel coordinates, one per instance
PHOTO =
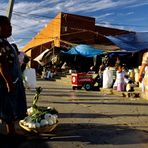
(115, 74)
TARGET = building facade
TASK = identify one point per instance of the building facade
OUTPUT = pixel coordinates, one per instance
(66, 30)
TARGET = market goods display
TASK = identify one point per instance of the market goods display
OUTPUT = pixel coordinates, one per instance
(39, 119)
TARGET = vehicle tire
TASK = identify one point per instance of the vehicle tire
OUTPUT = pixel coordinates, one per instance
(74, 87)
(79, 87)
(88, 86)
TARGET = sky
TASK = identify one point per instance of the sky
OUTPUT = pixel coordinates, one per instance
(30, 16)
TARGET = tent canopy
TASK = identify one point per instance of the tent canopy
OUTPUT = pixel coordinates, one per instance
(40, 57)
(122, 53)
(135, 41)
(84, 50)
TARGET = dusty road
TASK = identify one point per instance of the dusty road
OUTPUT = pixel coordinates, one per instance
(90, 119)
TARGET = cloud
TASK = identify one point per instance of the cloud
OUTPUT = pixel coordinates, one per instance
(108, 24)
(94, 5)
(103, 16)
(142, 3)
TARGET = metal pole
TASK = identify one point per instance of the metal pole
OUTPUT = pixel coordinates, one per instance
(10, 8)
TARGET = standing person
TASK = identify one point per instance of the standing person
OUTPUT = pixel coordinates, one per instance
(12, 93)
(142, 69)
(120, 79)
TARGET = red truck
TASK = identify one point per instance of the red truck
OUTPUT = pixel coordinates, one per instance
(80, 80)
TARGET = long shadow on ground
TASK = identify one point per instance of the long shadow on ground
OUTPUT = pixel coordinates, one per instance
(100, 134)
(92, 134)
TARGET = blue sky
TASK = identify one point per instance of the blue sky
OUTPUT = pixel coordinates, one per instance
(30, 16)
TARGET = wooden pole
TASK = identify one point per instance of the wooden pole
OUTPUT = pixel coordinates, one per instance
(10, 8)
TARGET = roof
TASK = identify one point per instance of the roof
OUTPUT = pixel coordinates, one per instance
(52, 32)
(131, 42)
(34, 43)
(47, 34)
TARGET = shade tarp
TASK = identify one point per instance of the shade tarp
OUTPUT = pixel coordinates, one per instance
(84, 50)
(40, 58)
(132, 41)
(122, 53)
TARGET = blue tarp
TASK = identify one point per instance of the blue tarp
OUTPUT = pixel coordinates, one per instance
(124, 53)
(84, 50)
(131, 42)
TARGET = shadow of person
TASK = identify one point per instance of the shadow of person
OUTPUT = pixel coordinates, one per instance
(23, 142)
(9, 141)
(35, 143)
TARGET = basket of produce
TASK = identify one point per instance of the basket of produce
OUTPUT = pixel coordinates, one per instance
(40, 119)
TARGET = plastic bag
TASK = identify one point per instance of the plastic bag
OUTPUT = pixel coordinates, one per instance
(29, 78)
(107, 78)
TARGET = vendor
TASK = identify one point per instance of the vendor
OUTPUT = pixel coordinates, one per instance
(144, 75)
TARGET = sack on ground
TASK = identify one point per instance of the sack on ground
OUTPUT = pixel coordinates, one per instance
(107, 78)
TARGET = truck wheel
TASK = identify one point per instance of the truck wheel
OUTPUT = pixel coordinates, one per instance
(74, 87)
(79, 87)
(88, 86)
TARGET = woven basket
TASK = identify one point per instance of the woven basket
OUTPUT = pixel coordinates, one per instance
(45, 129)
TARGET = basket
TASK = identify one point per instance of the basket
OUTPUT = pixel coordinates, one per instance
(37, 112)
(45, 129)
